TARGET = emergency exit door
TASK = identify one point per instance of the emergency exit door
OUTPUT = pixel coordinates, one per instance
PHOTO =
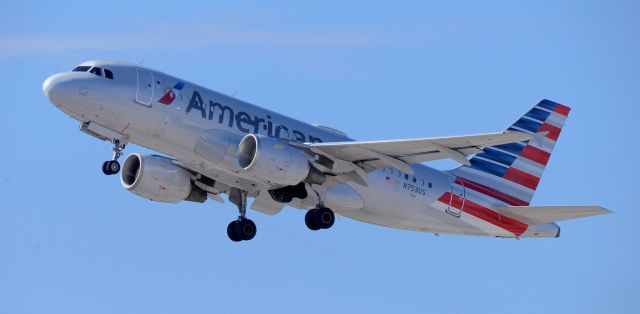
(456, 203)
(144, 92)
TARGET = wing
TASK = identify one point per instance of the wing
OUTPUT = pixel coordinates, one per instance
(371, 155)
(354, 159)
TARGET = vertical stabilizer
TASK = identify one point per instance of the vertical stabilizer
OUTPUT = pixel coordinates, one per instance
(510, 173)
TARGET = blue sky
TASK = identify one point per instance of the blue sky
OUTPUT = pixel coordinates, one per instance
(74, 241)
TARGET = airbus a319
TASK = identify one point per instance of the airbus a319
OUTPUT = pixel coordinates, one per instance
(213, 144)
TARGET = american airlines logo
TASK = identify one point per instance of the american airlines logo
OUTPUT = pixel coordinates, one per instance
(244, 122)
(169, 96)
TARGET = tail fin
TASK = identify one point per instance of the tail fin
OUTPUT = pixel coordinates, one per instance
(511, 172)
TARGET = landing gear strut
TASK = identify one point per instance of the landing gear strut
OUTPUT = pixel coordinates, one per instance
(112, 166)
(241, 228)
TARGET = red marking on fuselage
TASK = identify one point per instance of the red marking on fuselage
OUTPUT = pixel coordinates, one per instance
(512, 225)
(125, 127)
(491, 192)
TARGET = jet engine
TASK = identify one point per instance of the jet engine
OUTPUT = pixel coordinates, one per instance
(158, 179)
(276, 162)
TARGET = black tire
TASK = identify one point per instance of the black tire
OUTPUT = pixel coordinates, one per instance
(105, 170)
(310, 220)
(281, 197)
(246, 229)
(113, 166)
(232, 231)
(324, 218)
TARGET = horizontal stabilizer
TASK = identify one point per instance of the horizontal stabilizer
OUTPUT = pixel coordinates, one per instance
(547, 214)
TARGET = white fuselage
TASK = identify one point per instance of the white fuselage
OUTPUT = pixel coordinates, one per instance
(129, 105)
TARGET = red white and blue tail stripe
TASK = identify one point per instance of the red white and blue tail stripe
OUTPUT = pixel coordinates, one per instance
(510, 173)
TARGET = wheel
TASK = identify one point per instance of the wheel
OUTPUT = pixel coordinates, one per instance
(113, 166)
(232, 231)
(246, 229)
(324, 217)
(105, 170)
(310, 220)
(281, 197)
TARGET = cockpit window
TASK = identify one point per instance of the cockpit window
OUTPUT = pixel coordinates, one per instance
(96, 70)
(81, 68)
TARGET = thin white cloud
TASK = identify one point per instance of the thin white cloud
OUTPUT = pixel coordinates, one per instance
(176, 35)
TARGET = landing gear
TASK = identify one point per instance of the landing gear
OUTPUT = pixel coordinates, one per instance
(112, 166)
(319, 218)
(243, 228)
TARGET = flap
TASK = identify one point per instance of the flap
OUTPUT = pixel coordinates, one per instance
(265, 204)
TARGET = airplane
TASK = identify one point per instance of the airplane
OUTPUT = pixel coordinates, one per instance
(214, 144)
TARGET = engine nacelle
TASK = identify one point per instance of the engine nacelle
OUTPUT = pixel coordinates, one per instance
(272, 161)
(214, 146)
(156, 178)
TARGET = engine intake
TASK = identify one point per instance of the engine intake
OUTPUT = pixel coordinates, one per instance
(275, 162)
(158, 179)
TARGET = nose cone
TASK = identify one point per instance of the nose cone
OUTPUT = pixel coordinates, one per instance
(50, 86)
(55, 87)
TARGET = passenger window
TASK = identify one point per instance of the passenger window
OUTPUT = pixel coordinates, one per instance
(108, 74)
(406, 177)
(81, 68)
(414, 179)
(430, 185)
(96, 70)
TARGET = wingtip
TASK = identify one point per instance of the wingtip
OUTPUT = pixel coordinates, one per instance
(599, 210)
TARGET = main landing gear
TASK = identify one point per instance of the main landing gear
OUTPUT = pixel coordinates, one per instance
(112, 166)
(319, 218)
(242, 228)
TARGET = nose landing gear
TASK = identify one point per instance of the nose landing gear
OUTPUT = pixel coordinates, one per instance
(112, 166)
